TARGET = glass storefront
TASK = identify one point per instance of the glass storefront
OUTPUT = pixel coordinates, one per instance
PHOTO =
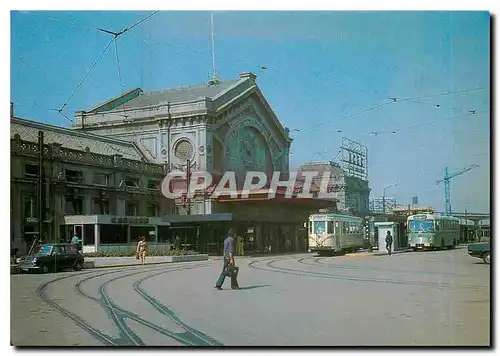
(113, 234)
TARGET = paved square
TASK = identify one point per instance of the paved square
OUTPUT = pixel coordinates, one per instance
(424, 298)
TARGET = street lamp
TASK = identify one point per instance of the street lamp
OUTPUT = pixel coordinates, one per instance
(383, 195)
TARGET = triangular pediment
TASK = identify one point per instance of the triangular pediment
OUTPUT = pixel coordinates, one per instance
(250, 105)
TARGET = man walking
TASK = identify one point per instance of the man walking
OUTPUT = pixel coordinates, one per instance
(388, 242)
(228, 261)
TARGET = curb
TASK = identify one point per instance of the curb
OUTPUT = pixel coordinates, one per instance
(393, 253)
(145, 264)
(173, 259)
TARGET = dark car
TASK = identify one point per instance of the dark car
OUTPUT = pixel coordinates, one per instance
(480, 250)
(52, 258)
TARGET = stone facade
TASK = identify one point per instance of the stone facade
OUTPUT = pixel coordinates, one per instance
(228, 126)
(80, 177)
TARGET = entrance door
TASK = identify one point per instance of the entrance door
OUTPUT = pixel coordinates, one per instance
(337, 232)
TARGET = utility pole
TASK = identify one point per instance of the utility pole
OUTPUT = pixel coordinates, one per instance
(383, 195)
(188, 177)
(40, 195)
(466, 228)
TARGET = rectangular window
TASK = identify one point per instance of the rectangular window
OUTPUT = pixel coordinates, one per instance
(330, 227)
(74, 205)
(153, 184)
(29, 204)
(199, 208)
(73, 176)
(131, 209)
(131, 182)
(31, 170)
(100, 206)
(319, 227)
(100, 179)
(153, 209)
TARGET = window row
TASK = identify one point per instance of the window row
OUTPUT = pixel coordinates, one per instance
(98, 178)
(75, 206)
(334, 227)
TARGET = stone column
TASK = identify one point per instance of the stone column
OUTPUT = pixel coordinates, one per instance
(97, 236)
(87, 203)
(120, 204)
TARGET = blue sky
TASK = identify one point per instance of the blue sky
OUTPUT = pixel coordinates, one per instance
(323, 68)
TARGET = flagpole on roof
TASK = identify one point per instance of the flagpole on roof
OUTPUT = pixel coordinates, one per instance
(213, 75)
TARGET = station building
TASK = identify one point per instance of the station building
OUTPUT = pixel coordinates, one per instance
(102, 177)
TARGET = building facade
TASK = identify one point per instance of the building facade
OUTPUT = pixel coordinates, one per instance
(82, 174)
(107, 169)
(351, 193)
(217, 127)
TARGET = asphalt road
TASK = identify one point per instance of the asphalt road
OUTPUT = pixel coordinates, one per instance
(408, 299)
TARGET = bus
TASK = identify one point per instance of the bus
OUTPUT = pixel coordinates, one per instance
(334, 233)
(430, 231)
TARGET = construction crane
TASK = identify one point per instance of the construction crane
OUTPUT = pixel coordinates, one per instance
(446, 180)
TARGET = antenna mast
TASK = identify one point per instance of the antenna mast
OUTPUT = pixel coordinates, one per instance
(214, 78)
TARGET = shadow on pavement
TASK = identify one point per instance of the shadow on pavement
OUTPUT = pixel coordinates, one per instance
(253, 287)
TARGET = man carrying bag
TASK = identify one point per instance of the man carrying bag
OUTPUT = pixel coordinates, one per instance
(229, 269)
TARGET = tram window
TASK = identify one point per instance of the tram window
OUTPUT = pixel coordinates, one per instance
(310, 227)
(344, 230)
(437, 226)
(330, 228)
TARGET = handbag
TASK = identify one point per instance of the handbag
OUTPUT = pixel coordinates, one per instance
(231, 271)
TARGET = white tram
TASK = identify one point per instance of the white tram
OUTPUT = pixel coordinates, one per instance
(334, 233)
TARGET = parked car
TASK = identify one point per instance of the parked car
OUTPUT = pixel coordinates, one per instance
(480, 250)
(52, 258)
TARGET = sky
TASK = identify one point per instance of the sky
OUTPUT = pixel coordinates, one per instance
(326, 72)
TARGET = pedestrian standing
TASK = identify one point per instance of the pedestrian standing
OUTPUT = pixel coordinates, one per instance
(388, 242)
(141, 249)
(228, 258)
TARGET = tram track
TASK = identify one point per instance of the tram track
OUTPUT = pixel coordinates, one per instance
(118, 315)
(271, 268)
(317, 261)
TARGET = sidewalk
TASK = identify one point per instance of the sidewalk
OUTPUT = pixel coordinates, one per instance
(108, 262)
(384, 253)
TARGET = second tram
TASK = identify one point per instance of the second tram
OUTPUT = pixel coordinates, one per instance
(334, 233)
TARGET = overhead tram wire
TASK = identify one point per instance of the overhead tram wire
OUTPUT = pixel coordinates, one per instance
(262, 67)
(395, 131)
(393, 100)
(118, 67)
(87, 74)
(115, 36)
(72, 23)
(477, 112)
